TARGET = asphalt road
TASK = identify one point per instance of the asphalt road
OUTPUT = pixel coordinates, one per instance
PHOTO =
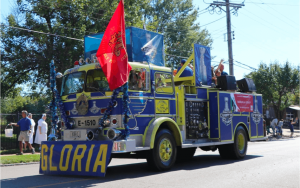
(267, 164)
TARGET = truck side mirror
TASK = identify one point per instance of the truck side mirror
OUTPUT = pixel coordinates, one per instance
(59, 75)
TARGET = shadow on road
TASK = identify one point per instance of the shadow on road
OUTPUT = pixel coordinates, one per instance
(128, 171)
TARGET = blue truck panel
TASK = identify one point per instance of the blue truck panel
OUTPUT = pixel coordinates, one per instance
(240, 120)
(260, 128)
(213, 115)
(202, 93)
(225, 116)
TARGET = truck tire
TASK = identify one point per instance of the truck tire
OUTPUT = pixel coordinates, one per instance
(184, 154)
(238, 149)
(163, 155)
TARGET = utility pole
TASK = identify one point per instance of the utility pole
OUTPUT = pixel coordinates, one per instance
(218, 5)
(230, 56)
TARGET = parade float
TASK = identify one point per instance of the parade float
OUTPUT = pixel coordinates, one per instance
(152, 115)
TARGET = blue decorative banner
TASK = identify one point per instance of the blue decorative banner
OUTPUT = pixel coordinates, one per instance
(202, 65)
(75, 158)
(141, 46)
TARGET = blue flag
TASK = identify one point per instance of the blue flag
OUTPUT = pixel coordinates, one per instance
(150, 48)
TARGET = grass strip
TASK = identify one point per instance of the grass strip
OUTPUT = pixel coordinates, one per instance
(14, 151)
(19, 159)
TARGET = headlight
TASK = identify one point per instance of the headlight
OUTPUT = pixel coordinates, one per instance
(113, 134)
(106, 122)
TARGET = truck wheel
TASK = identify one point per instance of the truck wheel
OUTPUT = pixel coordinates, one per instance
(240, 143)
(163, 155)
(184, 154)
(238, 149)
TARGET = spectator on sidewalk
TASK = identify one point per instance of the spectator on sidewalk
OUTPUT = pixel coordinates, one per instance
(274, 124)
(279, 127)
(296, 122)
(25, 146)
(25, 131)
(268, 122)
(292, 127)
(42, 130)
(31, 128)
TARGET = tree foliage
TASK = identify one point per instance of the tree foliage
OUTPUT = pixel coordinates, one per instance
(176, 19)
(278, 84)
(35, 103)
(26, 55)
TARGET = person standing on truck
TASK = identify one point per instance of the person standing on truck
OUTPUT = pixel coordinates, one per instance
(218, 72)
(188, 71)
(25, 131)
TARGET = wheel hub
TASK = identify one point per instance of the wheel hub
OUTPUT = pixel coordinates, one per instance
(165, 149)
(241, 142)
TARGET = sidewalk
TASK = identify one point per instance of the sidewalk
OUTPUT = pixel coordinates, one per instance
(286, 132)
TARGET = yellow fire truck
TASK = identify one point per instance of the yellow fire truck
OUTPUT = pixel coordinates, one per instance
(170, 116)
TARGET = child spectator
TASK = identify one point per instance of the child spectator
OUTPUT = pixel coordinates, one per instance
(279, 127)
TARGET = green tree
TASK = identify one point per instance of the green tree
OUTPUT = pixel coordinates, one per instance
(176, 19)
(295, 96)
(26, 55)
(278, 84)
(33, 103)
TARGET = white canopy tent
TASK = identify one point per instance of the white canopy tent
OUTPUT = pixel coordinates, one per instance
(295, 107)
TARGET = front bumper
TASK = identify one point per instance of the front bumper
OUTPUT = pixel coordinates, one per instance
(123, 146)
(119, 146)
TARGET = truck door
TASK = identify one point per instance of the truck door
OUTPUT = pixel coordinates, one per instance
(164, 94)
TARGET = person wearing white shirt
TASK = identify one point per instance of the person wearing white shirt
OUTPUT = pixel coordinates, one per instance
(31, 128)
(41, 134)
(274, 125)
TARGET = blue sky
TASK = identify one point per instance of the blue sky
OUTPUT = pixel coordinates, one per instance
(265, 31)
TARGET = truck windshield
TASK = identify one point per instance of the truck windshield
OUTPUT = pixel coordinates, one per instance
(73, 83)
(96, 81)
